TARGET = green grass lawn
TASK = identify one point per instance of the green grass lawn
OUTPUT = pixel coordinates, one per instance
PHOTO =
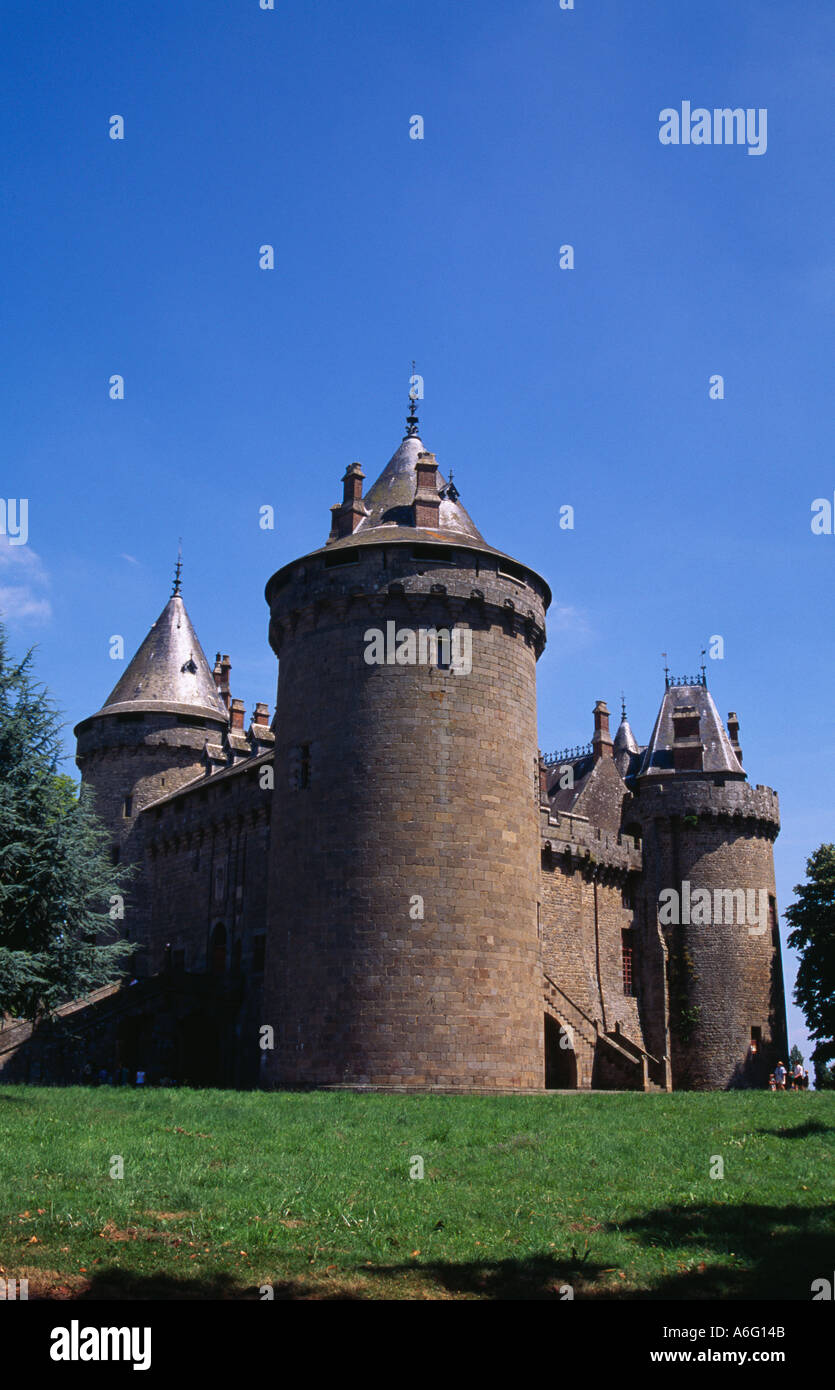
(311, 1193)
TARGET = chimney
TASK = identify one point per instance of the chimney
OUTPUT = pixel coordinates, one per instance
(347, 516)
(237, 716)
(602, 741)
(261, 714)
(427, 501)
(223, 667)
(733, 734)
(543, 782)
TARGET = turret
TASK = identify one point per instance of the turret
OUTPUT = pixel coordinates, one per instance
(403, 944)
(149, 737)
(709, 893)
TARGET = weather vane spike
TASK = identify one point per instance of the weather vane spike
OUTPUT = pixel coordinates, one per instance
(411, 418)
(704, 669)
(178, 570)
(622, 705)
(666, 671)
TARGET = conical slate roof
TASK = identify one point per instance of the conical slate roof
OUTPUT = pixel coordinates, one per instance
(389, 500)
(169, 671)
(718, 755)
(624, 738)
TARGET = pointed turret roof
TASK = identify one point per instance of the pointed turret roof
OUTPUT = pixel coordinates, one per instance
(689, 700)
(389, 500)
(624, 738)
(169, 671)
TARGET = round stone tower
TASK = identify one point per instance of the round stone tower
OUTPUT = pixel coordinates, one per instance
(149, 737)
(402, 944)
(709, 886)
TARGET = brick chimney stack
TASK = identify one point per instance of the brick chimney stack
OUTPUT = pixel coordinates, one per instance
(221, 672)
(427, 501)
(237, 716)
(346, 517)
(602, 740)
(733, 733)
(261, 714)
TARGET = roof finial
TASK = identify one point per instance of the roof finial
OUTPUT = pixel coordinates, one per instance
(704, 670)
(622, 706)
(666, 672)
(411, 418)
(178, 570)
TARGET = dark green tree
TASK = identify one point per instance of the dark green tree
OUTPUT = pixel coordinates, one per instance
(795, 1056)
(58, 887)
(812, 919)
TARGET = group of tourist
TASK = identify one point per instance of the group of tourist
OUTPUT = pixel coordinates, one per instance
(780, 1080)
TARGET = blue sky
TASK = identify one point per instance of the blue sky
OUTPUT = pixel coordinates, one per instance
(544, 387)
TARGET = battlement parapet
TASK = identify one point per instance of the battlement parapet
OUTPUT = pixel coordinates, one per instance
(466, 586)
(587, 844)
(716, 800)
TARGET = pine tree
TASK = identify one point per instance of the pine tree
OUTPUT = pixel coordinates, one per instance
(812, 918)
(57, 939)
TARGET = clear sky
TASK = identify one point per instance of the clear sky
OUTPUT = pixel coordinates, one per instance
(544, 387)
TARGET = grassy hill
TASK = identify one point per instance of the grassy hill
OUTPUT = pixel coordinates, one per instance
(311, 1194)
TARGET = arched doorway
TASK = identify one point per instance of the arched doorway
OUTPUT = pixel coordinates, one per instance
(560, 1059)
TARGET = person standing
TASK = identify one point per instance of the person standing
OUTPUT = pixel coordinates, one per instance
(780, 1076)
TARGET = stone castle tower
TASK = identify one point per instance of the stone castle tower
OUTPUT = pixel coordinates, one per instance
(402, 936)
(391, 877)
(149, 737)
(707, 837)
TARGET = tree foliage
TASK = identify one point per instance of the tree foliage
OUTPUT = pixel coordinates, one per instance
(57, 940)
(812, 919)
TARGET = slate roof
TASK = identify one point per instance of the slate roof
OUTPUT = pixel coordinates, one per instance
(389, 500)
(719, 756)
(169, 671)
(389, 521)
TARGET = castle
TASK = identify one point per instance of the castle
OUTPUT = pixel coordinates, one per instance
(387, 884)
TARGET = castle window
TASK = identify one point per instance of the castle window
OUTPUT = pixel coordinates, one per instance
(114, 854)
(435, 554)
(341, 557)
(218, 954)
(303, 773)
(756, 1039)
(259, 945)
(627, 951)
(509, 570)
(127, 806)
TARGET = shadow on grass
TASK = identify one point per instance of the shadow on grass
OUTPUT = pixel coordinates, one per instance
(720, 1252)
(800, 1131)
(778, 1250)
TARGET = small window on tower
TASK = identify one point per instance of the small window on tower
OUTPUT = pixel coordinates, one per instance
(756, 1039)
(127, 809)
(114, 854)
(258, 954)
(304, 766)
